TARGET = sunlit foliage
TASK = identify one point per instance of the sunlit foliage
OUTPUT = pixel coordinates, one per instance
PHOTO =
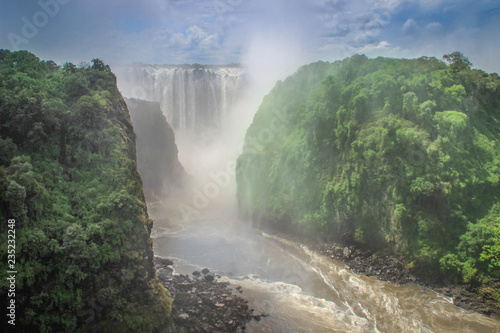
(386, 153)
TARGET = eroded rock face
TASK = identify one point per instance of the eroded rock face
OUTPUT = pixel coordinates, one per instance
(202, 303)
(157, 151)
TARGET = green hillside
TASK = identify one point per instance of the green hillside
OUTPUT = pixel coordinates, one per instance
(68, 177)
(384, 153)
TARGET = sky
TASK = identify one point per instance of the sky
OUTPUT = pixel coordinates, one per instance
(278, 32)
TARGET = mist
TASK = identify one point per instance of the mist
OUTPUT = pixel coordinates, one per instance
(209, 151)
(198, 224)
(204, 68)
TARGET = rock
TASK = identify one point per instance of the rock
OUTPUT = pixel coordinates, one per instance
(206, 307)
(164, 261)
(183, 316)
(205, 271)
(196, 273)
(209, 277)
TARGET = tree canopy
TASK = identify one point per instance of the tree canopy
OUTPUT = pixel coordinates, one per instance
(68, 177)
(384, 153)
(457, 61)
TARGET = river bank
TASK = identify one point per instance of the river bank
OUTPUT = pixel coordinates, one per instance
(399, 270)
(202, 304)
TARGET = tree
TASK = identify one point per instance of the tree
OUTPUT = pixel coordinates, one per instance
(99, 65)
(15, 197)
(89, 113)
(51, 65)
(491, 253)
(458, 62)
(69, 67)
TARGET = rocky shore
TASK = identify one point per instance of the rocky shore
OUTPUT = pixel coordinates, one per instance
(202, 303)
(383, 267)
(399, 271)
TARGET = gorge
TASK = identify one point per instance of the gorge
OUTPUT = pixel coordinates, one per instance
(300, 289)
(375, 153)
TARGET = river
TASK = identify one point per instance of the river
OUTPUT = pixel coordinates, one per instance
(302, 290)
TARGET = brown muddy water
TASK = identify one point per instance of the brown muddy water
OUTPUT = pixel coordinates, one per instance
(303, 291)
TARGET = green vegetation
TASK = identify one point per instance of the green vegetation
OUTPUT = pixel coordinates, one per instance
(68, 177)
(384, 153)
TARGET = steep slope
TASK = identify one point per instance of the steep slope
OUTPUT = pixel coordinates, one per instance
(385, 153)
(157, 152)
(68, 177)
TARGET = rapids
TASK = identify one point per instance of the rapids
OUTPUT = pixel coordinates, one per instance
(302, 290)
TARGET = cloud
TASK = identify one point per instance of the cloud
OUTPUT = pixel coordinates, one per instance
(410, 27)
(221, 31)
(433, 27)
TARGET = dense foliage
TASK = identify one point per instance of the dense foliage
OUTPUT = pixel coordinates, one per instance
(394, 153)
(68, 177)
(157, 154)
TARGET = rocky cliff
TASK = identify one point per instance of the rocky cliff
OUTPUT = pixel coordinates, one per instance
(68, 177)
(157, 152)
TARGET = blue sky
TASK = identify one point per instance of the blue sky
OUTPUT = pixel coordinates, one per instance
(226, 31)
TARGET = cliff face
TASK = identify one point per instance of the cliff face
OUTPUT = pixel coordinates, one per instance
(68, 177)
(385, 153)
(157, 152)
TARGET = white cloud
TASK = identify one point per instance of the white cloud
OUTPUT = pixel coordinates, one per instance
(195, 35)
(433, 27)
(410, 27)
(217, 31)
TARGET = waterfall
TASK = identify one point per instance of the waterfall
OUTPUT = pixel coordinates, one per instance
(195, 98)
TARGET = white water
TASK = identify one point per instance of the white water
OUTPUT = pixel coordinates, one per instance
(302, 290)
(192, 97)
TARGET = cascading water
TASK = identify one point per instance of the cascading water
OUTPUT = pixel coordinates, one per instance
(193, 97)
